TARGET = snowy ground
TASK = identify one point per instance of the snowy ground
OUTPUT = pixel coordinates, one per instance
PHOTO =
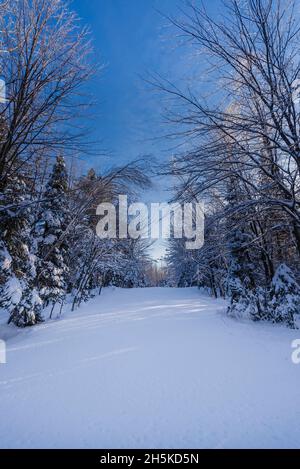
(150, 368)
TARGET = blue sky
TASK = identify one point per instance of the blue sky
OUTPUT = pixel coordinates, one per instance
(131, 38)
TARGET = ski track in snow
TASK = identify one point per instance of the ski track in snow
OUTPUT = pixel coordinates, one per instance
(149, 368)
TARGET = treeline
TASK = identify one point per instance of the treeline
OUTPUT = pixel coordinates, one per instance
(48, 243)
(242, 158)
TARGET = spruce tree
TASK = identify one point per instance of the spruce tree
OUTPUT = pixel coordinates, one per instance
(240, 282)
(52, 242)
(18, 286)
(284, 305)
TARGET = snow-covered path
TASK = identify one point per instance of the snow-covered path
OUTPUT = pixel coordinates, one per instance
(150, 368)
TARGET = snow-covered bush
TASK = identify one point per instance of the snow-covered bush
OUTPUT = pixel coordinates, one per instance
(28, 311)
(244, 304)
(284, 304)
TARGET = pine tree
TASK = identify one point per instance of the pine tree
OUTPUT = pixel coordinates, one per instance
(182, 265)
(18, 287)
(284, 305)
(135, 261)
(240, 282)
(52, 270)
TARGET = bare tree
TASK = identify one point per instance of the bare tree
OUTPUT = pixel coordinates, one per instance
(45, 61)
(252, 132)
(93, 258)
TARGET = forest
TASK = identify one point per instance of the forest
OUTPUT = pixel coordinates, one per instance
(239, 154)
(244, 159)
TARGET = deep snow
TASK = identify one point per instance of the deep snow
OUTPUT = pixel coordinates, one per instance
(149, 368)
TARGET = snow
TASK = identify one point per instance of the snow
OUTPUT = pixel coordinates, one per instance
(6, 259)
(283, 279)
(149, 368)
(13, 291)
(296, 94)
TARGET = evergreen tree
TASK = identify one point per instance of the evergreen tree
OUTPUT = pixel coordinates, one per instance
(240, 282)
(182, 265)
(18, 275)
(135, 261)
(284, 305)
(52, 268)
